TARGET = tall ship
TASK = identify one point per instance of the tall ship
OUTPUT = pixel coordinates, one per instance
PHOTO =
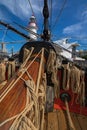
(39, 88)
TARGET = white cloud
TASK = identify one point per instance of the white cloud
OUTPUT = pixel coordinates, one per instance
(78, 29)
(19, 8)
(72, 29)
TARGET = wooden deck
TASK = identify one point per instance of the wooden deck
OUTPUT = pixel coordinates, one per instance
(57, 121)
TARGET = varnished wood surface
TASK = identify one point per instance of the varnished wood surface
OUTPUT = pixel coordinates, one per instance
(58, 121)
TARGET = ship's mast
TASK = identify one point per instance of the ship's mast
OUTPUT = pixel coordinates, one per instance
(46, 34)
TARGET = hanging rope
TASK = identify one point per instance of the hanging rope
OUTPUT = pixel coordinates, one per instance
(26, 53)
(73, 78)
(50, 13)
(2, 72)
(66, 77)
(39, 74)
(52, 68)
(81, 90)
(3, 84)
(11, 68)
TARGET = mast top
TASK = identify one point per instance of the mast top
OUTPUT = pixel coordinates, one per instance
(46, 32)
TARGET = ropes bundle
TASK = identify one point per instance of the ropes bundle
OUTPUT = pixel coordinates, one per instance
(11, 69)
(52, 68)
(26, 53)
(73, 78)
(66, 76)
(2, 72)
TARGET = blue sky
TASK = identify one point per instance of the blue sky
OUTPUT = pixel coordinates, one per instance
(72, 22)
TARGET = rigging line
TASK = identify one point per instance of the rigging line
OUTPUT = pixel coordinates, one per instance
(5, 33)
(58, 16)
(51, 15)
(73, 37)
(14, 30)
(40, 7)
(27, 29)
(31, 7)
(41, 30)
(16, 42)
(2, 29)
(10, 37)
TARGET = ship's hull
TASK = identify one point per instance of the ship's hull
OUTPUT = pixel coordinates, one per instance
(23, 103)
(15, 94)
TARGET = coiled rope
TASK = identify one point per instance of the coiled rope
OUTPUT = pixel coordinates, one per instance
(73, 78)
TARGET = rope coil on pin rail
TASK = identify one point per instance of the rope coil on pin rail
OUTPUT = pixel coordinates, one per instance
(74, 79)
